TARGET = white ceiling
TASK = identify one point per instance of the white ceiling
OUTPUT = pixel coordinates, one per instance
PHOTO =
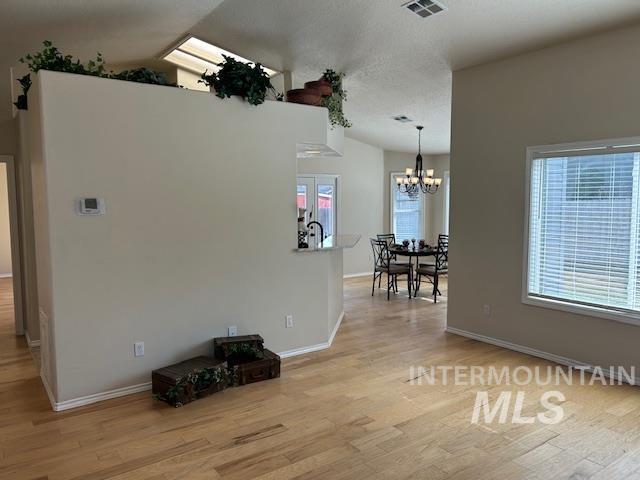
(396, 62)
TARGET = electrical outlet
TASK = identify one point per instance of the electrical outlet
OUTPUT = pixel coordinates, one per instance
(138, 349)
(486, 310)
(232, 331)
(289, 321)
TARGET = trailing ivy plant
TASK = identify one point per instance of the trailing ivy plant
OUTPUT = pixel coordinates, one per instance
(143, 75)
(25, 83)
(335, 101)
(189, 386)
(243, 352)
(245, 80)
(50, 58)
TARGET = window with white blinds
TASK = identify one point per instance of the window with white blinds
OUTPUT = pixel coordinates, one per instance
(407, 213)
(584, 228)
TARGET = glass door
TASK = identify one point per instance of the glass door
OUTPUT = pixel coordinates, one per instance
(319, 194)
(326, 204)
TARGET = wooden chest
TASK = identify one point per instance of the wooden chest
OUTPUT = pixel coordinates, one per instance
(222, 346)
(187, 381)
(255, 371)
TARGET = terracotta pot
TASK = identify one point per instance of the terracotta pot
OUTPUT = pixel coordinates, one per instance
(323, 85)
(306, 96)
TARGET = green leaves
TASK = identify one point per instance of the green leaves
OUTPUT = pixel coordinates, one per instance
(50, 58)
(334, 102)
(25, 83)
(197, 381)
(244, 350)
(245, 80)
(143, 75)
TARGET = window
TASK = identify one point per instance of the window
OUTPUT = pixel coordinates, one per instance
(199, 56)
(407, 213)
(583, 229)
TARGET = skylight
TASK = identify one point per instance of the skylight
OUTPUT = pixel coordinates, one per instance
(198, 56)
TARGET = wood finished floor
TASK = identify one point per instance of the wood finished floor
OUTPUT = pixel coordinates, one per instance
(344, 413)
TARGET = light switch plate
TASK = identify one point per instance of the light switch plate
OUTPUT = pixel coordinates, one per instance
(232, 331)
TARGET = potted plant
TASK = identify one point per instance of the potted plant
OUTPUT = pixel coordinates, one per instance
(335, 100)
(245, 80)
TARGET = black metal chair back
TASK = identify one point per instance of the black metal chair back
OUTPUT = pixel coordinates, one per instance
(442, 252)
(381, 255)
(390, 238)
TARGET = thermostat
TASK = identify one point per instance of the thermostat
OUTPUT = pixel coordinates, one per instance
(91, 206)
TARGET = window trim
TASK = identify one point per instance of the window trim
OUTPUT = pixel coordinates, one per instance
(446, 202)
(392, 187)
(618, 145)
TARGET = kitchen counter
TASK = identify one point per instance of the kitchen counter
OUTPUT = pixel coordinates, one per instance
(334, 242)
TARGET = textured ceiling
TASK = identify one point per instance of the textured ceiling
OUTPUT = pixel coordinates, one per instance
(396, 62)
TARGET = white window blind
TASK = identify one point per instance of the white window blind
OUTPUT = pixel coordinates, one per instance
(584, 220)
(407, 213)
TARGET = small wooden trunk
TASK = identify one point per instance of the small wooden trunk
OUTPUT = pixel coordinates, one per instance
(257, 370)
(172, 384)
(221, 345)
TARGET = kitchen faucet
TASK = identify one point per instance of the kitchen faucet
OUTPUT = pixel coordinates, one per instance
(321, 230)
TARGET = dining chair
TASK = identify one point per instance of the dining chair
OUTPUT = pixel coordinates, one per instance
(390, 238)
(383, 264)
(441, 237)
(433, 272)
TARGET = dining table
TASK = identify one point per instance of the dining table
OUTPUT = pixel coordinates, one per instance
(413, 251)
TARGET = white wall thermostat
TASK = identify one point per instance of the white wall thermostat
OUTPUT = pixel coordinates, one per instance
(91, 206)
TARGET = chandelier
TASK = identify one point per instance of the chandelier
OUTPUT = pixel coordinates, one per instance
(416, 179)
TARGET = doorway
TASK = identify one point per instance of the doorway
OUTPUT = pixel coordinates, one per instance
(10, 273)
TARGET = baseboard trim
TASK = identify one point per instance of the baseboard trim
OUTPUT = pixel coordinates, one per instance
(47, 389)
(302, 350)
(142, 387)
(31, 343)
(314, 348)
(356, 275)
(95, 398)
(6, 275)
(569, 362)
(336, 327)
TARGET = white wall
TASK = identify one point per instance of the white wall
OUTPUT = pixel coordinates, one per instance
(361, 199)
(5, 232)
(434, 204)
(199, 232)
(583, 90)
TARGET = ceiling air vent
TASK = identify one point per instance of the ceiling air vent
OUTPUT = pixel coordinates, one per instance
(425, 8)
(402, 119)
